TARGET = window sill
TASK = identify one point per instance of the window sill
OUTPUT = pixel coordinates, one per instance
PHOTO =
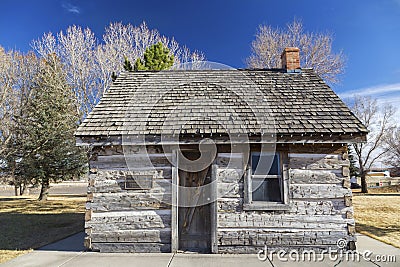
(261, 205)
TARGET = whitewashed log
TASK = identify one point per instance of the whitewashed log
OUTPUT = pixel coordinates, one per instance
(135, 160)
(270, 220)
(108, 150)
(255, 249)
(289, 237)
(129, 220)
(130, 236)
(132, 247)
(300, 176)
(129, 150)
(129, 201)
(229, 175)
(125, 167)
(317, 191)
(116, 186)
(229, 205)
(317, 161)
(224, 160)
(316, 149)
(122, 174)
(319, 207)
(230, 190)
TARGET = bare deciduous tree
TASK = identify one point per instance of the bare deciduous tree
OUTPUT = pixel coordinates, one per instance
(392, 141)
(315, 50)
(378, 120)
(6, 96)
(17, 73)
(90, 64)
(76, 49)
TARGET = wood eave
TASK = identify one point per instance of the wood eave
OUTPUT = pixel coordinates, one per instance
(342, 138)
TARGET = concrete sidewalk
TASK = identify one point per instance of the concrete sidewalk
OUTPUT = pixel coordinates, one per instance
(69, 253)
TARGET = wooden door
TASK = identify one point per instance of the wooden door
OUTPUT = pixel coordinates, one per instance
(194, 220)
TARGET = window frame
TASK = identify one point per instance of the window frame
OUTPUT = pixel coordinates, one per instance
(249, 203)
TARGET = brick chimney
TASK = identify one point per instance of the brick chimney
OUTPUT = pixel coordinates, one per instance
(291, 59)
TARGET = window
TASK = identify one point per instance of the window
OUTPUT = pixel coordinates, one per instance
(265, 183)
(266, 177)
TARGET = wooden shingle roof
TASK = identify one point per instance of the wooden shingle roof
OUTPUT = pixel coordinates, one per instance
(209, 102)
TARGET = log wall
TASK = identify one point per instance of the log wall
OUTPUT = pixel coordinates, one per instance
(319, 210)
(128, 220)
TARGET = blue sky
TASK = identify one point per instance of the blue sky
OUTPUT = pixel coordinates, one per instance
(367, 31)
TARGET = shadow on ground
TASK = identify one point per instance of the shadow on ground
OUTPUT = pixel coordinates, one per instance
(26, 231)
(378, 231)
(72, 243)
(26, 223)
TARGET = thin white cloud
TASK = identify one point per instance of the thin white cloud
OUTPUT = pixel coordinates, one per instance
(376, 91)
(385, 94)
(390, 99)
(71, 8)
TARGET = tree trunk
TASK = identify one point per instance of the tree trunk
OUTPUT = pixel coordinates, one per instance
(14, 179)
(44, 190)
(22, 189)
(364, 186)
(363, 173)
(15, 189)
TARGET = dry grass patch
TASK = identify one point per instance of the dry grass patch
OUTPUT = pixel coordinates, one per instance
(377, 215)
(6, 255)
(28, 224)
(385, 189)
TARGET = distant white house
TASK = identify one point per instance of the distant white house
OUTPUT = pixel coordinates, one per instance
(379, 173)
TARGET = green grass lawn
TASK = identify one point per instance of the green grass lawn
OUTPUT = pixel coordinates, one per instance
(28, 224)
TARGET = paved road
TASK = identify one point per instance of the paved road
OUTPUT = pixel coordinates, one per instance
(69, 253)
(64, 188)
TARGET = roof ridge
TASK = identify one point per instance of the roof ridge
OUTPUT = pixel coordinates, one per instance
(279, 70)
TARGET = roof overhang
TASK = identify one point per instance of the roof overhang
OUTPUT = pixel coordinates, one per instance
(312, 138)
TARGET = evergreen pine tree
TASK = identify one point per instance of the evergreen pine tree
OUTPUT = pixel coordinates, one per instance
(139, 65)
(156, 57)
(127, 64)
(47, 129)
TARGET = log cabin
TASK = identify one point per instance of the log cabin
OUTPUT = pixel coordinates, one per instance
(219, 161)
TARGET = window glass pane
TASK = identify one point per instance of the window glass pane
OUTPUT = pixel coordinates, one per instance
(266, 190)
(265, 164)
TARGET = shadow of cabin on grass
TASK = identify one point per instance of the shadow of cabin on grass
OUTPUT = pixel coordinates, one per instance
(29, 224)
